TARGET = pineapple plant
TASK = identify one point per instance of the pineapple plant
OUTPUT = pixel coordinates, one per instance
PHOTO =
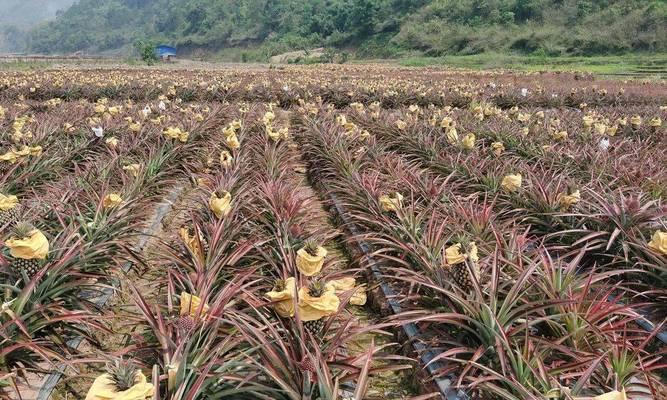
(122, 374)
(19, 265)
(316, 289)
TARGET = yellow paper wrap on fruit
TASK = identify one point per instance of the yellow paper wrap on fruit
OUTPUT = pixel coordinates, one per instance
(8, 202)
(453, 254)
(35, 151)
(176, 133)
(468, 141)
(228, 131)
(133, 169)
(112, 142)
(497, 148)
(273, 135)
(221, 206)
(268, 118)
(192, 305)
(112, 200)
(232, 141)
(511, 183)
(347, 284)
(391, 203)
(658, 242)
(452, 135)
(472, 252)
(25, 151)
(33, 247)
(192, 243)
(226, 159)
(284, 300)
(10, 157)
(615, 395)
(103, 389)
(314, 308)
(568, 200)
(309, 264)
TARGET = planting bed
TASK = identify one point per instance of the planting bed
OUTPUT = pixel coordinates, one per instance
(338, 232)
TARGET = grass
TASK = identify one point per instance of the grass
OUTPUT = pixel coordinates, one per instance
(646, 65)
(24, 65)
(603, 65)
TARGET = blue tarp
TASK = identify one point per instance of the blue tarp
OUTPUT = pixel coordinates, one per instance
(164, 51)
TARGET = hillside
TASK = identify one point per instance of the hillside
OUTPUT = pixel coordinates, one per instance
(370, 28)
(17, 17)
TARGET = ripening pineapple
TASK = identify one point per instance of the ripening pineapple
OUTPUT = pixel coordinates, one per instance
(185, 323)
(315, 289)
(461, 276)
(460, 273)
(306, 365)
(122, 374)
(19, 265)
(9, 217)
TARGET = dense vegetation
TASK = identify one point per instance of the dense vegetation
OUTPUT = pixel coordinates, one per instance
(383, 28)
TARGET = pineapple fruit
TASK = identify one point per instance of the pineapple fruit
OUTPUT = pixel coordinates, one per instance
(461, 276)
(9, 210)
(462, 259)
(19, 265)
(9, 217)
(185, 323)
(316, 289)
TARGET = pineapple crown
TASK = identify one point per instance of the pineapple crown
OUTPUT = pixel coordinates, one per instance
(316, 289)
(463, 239)
(123, 374)
(279, 285)
(23, 229)
(311, 247)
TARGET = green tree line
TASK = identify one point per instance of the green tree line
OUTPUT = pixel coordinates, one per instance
(371, 28)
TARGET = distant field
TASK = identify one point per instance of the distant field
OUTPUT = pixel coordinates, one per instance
(622, 67)
(650, 66)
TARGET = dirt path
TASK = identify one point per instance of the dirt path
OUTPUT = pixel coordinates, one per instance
(121, 311)
(389, 385)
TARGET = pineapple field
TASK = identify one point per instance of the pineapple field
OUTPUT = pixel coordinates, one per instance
(331, 232)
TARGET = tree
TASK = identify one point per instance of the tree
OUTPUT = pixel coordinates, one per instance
(146, 50)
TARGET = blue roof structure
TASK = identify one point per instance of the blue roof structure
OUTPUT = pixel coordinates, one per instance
(164, 51)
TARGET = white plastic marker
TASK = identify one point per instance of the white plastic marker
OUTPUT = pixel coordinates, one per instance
(604, 144)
